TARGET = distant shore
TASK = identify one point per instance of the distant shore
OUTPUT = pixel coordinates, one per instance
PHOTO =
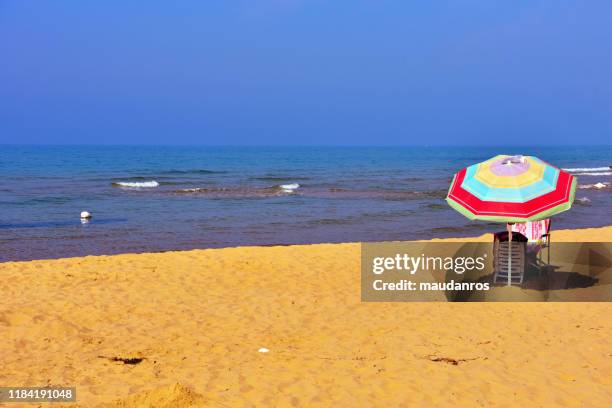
(184, 329)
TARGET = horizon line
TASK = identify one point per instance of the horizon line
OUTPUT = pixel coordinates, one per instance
(291, 145)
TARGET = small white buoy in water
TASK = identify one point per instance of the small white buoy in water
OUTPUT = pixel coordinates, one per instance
(263, 350)
(85, 215)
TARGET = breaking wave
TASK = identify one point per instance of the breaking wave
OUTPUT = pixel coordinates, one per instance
(583, 200)
(136, 184)
(597, 186)
(603, 173)
(588, 169)
(289, 188)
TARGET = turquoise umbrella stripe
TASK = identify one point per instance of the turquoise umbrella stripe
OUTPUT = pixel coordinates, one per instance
(545, 185)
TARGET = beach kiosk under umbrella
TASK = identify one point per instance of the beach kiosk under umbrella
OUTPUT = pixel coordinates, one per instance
(511, 189)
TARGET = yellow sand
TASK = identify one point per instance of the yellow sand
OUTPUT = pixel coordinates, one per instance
(199, 317)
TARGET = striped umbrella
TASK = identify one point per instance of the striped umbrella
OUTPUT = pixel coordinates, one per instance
(511, 189)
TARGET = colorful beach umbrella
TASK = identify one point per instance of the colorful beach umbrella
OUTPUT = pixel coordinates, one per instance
(511, 189)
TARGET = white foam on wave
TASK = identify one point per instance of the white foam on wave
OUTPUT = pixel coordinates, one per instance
(598, 186)
(137, 184)
(588, 169)
(603, 173)
(289, 188)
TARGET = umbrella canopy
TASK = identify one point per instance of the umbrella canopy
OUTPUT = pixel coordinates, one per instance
(511, 189)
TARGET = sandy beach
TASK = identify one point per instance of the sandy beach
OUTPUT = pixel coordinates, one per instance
(193, 323)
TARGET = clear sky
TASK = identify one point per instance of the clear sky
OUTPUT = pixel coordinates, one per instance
(306, 72)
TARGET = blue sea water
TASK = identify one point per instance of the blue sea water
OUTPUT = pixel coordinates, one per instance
(154, 198)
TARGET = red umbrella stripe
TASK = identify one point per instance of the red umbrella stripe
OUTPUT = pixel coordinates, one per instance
(560, 195)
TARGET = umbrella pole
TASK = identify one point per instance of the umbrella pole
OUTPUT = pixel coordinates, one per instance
(509, 228)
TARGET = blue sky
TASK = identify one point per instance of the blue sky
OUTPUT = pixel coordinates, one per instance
(296, 72)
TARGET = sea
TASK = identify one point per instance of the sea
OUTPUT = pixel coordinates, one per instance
(163, 198)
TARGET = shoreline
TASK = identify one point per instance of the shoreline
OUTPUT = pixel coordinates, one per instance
(196, 320)
(595, 234)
